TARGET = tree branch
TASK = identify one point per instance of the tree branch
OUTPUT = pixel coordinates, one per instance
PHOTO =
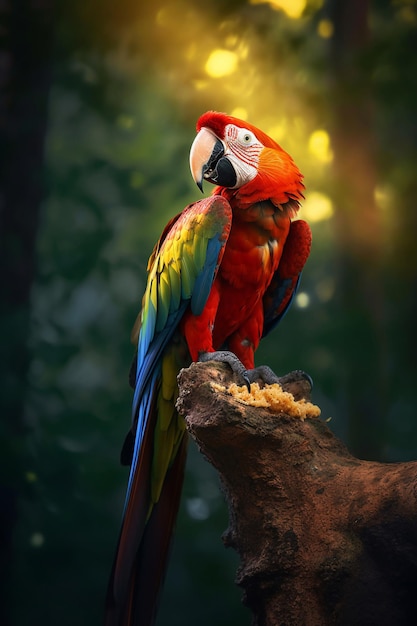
(324, 538)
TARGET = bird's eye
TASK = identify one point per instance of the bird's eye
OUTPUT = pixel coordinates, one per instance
(245, 137)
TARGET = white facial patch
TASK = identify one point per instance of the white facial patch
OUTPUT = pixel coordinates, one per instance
(242, 150)
(243, 170)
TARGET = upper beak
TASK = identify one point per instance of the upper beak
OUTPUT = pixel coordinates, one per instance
(205, 152)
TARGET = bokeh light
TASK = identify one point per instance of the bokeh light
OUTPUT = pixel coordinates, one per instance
(221, 63)
(316, 207)
(293, 8)
(319, 146)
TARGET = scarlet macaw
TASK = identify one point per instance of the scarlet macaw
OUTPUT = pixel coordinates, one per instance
(221, 276)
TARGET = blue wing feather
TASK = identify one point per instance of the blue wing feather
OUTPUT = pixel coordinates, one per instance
(143, 409)
(146, 362)
(285, 282)
(271, 318)
(184, 282)
(204, 280)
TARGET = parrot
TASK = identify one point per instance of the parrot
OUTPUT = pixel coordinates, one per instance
(222, 275)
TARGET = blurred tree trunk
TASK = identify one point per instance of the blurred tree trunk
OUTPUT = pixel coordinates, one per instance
(361, 360)
(25, 57)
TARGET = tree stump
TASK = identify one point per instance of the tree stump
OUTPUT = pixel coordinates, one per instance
(324, 538)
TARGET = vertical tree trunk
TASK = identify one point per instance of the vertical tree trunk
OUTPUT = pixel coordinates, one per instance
(358, 230)
(25, 57)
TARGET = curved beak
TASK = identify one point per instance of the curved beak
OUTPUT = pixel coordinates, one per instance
(205, 153)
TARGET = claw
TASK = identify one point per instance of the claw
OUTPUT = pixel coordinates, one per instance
(224, 356)
(264, 373)
(299, 383)
(297, 376)
(247, 382)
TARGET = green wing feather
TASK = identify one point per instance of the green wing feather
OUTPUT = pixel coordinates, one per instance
(181, 269)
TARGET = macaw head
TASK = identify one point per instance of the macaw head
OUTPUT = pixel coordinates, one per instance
(246, 165)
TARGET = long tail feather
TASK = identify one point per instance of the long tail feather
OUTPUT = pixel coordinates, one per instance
(143, 548)
(152, 556)
(132, 529)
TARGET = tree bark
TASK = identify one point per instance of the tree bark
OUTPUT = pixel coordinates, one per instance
(324, 538)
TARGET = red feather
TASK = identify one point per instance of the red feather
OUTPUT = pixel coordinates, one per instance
(278, 178)
(217, 122)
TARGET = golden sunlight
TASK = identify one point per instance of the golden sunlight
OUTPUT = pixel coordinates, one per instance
(317, 207)
(319, 146)
(221, 63)
(325, 29)
(240, 113)
(293, 8)
(278, 131)
(384, 197)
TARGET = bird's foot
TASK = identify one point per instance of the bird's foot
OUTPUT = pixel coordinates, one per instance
(297, 382)
(225, 356)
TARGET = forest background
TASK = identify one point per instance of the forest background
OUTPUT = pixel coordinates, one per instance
(98, 104)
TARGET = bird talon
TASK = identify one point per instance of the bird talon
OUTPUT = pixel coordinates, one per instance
(247, 382)
(263, 373)
(225, 356)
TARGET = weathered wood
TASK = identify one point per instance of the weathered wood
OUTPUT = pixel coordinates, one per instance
(324, 538)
